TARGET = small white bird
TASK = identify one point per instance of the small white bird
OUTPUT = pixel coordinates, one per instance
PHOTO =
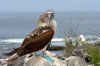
(82, 38)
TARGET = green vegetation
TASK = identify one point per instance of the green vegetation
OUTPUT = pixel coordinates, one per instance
(69, 48)
(92, 50)
(94, 53)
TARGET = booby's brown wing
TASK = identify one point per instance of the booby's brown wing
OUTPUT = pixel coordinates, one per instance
(38, 31)
(36, 43)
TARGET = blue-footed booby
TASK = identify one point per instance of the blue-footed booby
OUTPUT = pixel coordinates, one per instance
(40, 38)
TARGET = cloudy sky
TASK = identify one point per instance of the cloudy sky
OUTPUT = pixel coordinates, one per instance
(56, 5)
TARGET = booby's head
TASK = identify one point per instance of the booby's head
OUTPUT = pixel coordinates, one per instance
(47, 19)
(49, 14)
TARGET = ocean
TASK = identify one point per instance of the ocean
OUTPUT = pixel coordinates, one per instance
(15, 26)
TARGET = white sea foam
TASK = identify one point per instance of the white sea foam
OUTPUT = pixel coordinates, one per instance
(58, 39)
(20, 40)
(12, 40)
(55, 41)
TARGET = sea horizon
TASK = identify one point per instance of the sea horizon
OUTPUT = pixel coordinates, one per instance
(18, 25)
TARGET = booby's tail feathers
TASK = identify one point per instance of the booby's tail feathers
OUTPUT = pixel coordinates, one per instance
(7, 60)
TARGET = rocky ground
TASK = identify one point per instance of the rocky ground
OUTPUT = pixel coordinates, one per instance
(40, 61)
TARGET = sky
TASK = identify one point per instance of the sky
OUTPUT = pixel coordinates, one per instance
(41, 5)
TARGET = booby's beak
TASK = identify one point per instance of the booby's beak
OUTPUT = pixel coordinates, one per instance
(50, 14)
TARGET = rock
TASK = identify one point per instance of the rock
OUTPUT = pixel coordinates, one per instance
(36, 61)
(76, 61)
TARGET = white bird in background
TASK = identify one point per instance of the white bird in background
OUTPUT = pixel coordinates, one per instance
(82, 38)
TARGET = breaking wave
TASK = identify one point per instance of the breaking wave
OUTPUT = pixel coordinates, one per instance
(6, 45)
(20, 40)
